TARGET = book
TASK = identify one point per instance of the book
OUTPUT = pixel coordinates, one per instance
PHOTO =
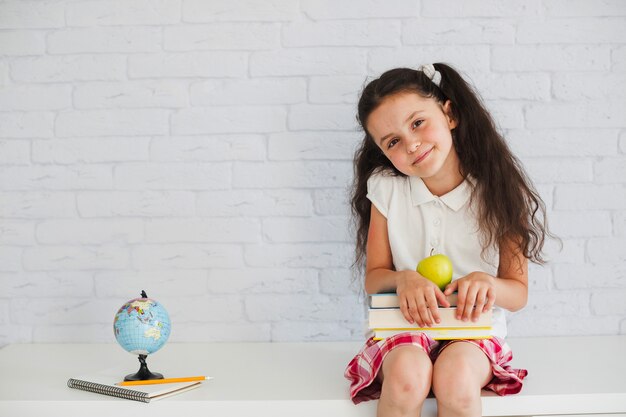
(390, 299)
(105, 383)
(438, 333)
(385, 318)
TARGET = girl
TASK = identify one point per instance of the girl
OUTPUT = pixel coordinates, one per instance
(433, 173)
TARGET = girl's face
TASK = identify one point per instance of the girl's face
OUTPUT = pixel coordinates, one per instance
(414, 133)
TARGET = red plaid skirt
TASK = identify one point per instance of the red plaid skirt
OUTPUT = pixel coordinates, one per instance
(362, 370)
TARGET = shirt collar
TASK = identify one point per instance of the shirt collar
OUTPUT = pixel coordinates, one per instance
(454, 199)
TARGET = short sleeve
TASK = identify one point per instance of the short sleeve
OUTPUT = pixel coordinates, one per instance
(380, 190)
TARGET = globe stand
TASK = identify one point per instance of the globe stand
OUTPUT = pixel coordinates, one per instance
(143, 373)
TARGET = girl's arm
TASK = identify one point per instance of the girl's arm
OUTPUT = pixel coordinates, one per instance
(417, 296)
(512, 287)
(379, 271)
(508, 290)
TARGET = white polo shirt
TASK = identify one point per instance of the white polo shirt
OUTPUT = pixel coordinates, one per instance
(418, 221)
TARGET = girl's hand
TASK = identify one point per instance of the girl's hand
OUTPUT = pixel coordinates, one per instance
(418, 298)
(477, 295)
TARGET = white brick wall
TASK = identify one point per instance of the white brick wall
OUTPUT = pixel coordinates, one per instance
(201, 150)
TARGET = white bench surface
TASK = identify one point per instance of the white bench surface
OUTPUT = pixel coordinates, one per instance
(567, 375)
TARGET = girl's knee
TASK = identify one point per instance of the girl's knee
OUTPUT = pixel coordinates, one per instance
(453, 368)
(405, 392)
(407, 378)
(455, 385)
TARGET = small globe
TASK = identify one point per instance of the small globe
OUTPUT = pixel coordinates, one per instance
(142, 326)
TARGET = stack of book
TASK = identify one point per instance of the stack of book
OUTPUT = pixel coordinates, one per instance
(386, 320)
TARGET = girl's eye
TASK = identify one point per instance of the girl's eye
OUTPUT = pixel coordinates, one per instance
(392, 143)
(417, 123)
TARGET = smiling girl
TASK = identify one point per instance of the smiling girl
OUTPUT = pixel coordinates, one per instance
(432, 172)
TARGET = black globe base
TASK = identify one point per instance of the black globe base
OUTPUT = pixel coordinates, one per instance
(143, 373)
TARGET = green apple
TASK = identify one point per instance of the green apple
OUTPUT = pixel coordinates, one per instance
(436, 268)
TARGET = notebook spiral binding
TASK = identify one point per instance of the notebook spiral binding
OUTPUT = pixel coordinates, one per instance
(108, 390)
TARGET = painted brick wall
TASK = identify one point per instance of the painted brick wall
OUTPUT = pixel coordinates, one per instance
(201, 150)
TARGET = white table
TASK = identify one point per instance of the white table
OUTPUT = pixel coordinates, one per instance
(588, 376)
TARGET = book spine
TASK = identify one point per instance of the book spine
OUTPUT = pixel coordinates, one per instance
(108, 390)
(474, 333)
(442, 338)
(390, 300)
(393, 317)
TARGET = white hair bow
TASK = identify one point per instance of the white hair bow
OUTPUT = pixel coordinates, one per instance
(431, 72)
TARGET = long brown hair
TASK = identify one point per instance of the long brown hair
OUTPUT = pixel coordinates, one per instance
(509, 206)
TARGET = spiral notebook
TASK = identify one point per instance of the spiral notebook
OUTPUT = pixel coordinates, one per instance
(105, 383)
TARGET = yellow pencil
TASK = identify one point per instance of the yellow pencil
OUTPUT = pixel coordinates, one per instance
(164, 380)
